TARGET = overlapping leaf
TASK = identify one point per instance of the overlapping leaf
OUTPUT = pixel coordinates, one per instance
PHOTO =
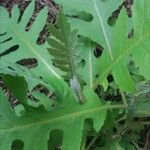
(26, 41)
(64, 46)
(122, 47)
(97, 29)
(114, 39)
(89, 62)
(34, 128)
(16, 44)
(64, 49)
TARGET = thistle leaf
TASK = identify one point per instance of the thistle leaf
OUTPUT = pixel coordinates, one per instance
(64, 52)
(63, 45)
(68, 118)
(117, 47)
(97, 29)
(16, 45)
(138, 46)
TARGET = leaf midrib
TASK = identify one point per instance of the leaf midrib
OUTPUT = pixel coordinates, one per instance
(90, 69)
(59, 118)
(120, 57)
(26, 42)
(103, 29)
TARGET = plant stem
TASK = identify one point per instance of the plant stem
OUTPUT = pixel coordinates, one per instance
(92, 142)
(106, 107)
(83, 143)
(145, 122)
(123, 98)
(135, 145)
(120, 119)
(116, 107)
